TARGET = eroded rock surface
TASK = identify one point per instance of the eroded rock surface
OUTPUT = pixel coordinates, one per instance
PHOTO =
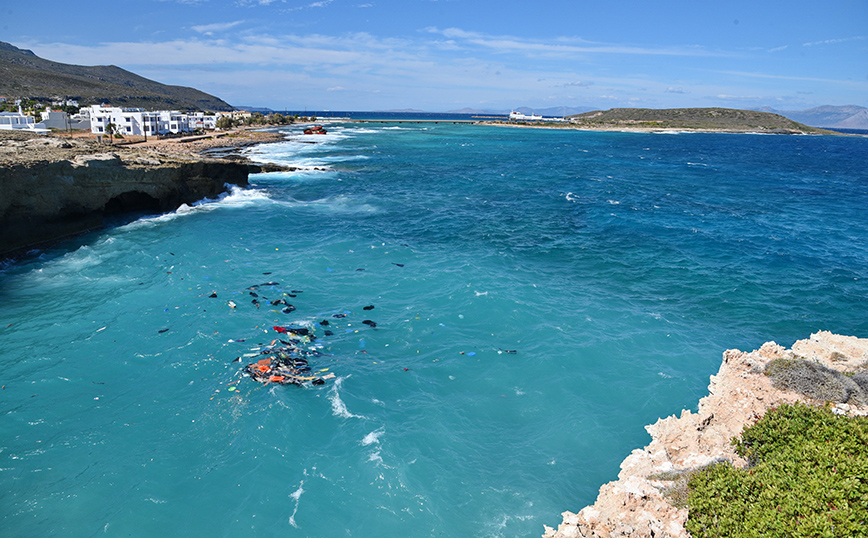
(51, 187)
(739, 395)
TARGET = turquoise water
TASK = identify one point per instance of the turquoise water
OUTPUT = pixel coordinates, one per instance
(539, 296)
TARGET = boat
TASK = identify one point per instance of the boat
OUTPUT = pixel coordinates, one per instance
(316, 129)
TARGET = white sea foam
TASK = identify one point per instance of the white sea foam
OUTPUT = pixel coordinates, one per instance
(296, 496)
(339, 408)
(236, 197)
(334, 204)
(373, 437)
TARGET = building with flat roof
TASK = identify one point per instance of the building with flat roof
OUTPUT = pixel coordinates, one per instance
(18, 121)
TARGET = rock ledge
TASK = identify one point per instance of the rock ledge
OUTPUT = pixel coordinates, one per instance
(739, 395)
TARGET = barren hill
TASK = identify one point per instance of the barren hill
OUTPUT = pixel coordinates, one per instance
(724, 119)
(23, 74)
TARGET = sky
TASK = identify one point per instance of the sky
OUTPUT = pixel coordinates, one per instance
(443, 55)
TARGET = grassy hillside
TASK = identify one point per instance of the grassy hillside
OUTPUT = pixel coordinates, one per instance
(23, 74)
(726, 119)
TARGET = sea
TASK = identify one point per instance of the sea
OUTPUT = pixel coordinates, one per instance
(496, 312)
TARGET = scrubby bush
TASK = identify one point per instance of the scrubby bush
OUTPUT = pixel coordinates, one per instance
(807, 477)
(815, 381)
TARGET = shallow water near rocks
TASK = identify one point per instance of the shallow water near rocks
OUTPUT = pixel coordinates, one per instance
(539, 296)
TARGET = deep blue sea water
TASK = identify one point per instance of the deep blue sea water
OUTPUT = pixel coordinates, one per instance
(539, 296)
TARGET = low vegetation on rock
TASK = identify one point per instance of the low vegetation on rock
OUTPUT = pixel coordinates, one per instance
(723, 119)
(807, 477)
(817, 381)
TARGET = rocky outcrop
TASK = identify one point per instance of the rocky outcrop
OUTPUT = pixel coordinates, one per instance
(53, 188)
(636, 505)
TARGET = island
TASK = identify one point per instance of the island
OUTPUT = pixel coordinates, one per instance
(720, 120)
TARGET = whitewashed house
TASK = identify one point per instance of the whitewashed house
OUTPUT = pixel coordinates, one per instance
(200, 120)
(137, 121)
(18, 121)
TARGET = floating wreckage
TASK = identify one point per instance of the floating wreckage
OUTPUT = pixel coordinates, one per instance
(286, 361)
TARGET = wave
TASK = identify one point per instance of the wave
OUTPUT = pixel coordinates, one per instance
(339, 408)
(335, 204)
(236, 197)
(373, 437)
(296, 496)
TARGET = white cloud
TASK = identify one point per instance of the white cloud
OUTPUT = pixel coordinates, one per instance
(835, 41)
(209, 29)
(785, 77)
(562, 45)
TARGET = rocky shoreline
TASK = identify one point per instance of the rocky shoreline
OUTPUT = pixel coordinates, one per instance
(636, 505)
(55, 187)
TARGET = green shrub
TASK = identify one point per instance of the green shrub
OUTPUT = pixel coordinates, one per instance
(807, 477)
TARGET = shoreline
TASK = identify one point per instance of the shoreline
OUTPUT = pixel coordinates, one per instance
(658, 130)
(637, 504)
(57, 187)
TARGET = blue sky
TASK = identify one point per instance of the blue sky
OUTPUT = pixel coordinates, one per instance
(440, 55)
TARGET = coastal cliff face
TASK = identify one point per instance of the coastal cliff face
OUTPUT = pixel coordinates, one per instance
(740, 393)
(53, 188)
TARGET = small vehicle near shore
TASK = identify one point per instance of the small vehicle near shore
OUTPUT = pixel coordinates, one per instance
(316, 129)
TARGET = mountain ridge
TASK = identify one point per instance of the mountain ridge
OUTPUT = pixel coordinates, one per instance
(841, 117)
(24, 74)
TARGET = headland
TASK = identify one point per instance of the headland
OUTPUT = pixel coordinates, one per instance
(56, 186)
(640, 504)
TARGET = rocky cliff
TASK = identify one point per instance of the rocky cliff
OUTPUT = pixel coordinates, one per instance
(636, 505)
(51, 188)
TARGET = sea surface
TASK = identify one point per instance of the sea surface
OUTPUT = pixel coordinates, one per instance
(539, 295)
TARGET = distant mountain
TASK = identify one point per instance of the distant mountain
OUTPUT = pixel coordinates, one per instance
(260, 109)
(468, 110)
(558, 111)
(26, 75)
(842, 117)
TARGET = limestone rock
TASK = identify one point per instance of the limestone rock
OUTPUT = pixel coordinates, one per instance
(740, 394)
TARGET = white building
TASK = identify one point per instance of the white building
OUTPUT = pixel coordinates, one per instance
(18, 121)
(200, 120)
(137, 121)
(518, 116)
